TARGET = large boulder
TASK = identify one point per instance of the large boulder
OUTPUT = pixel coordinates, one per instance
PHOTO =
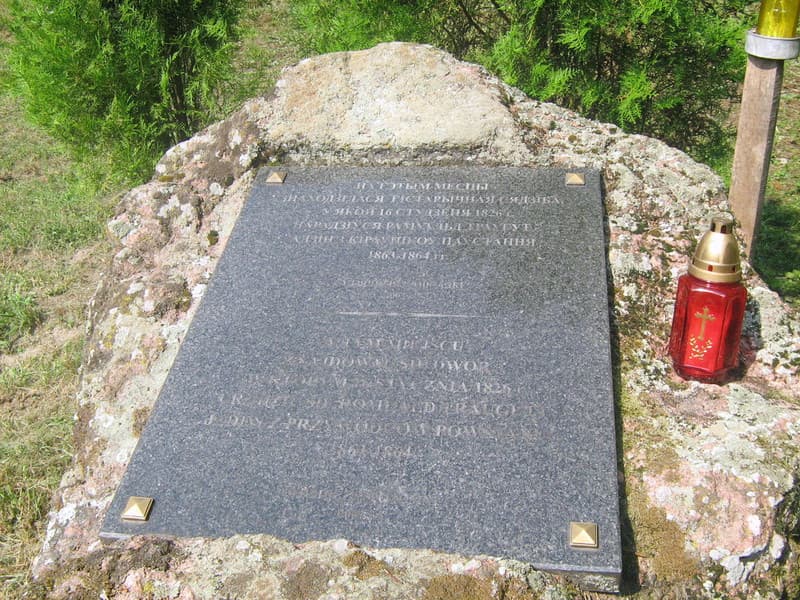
(708, 473)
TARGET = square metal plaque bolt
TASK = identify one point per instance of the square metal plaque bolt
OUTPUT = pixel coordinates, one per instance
(583, 535)
(574, 179)
(137, 509)
(277, 177)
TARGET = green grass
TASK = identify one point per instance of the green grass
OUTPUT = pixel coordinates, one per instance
(52, 215)
(19, 313)
(269, 42)
(50, 206)
(50, 200)
(41, 375)
(777, 251)
(35, 447)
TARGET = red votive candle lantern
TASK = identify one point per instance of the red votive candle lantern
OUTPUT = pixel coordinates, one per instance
(709, 309)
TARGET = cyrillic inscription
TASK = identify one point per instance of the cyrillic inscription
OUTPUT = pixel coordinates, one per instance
(372, 218)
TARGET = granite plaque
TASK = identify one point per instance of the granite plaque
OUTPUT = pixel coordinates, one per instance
(402, 357)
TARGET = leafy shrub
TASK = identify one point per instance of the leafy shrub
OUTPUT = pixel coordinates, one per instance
(666, 68)
(130, 76)
(357, 24)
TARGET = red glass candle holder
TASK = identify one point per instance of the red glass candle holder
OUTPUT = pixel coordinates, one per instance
(709, 309)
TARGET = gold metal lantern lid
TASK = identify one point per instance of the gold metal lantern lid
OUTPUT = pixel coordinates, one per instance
(717, 256)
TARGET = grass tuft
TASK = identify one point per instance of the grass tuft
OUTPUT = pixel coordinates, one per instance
(35, 448)
(19, 312)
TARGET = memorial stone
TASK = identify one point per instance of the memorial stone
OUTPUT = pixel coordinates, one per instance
(402, 357)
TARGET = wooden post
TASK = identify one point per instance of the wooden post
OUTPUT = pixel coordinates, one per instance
(772, 42)
(760, 101)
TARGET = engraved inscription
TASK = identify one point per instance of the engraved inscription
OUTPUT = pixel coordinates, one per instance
(416, 221)
(361, 389)
(440, 391)
(371, 429)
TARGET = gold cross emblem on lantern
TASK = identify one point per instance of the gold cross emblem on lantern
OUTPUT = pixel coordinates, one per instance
(705, 317)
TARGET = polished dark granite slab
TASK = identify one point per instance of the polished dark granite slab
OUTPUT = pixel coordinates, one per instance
(403, 357)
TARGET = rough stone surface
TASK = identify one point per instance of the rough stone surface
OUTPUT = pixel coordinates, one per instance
(708, 473)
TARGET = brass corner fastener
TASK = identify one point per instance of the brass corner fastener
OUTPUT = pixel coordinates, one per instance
(277, 177)
(583, 535)
(137, 509)
(574, 179)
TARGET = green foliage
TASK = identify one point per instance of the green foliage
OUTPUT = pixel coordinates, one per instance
(665, 68)
(357, 24)
(129, 77)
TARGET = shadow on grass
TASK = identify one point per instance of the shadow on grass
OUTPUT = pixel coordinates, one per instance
(777, 250)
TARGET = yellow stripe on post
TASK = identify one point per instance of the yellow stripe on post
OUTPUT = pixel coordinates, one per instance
(778, 18)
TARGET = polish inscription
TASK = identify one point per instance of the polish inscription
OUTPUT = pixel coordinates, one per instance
(368, 378)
